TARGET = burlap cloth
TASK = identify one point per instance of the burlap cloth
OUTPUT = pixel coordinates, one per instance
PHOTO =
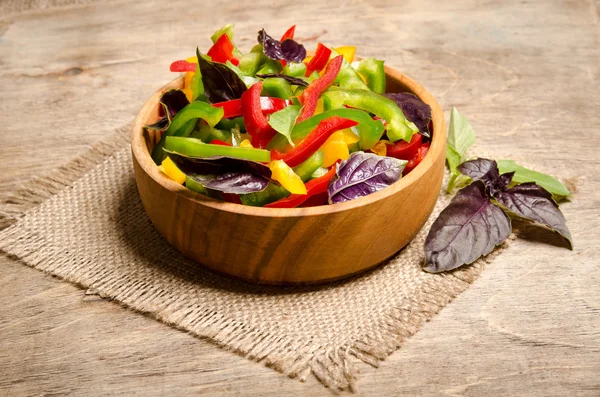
(85, 223)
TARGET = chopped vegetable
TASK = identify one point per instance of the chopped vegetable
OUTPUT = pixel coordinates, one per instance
(313, 113)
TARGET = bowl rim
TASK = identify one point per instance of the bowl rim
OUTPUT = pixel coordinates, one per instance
(141, 153)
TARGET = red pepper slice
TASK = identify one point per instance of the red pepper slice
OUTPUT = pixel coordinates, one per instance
(319, 61)
(219, 142)
(316, 200)
(405, 150)
(311, 94)
(313, 141)
(313, 187)
(222, 51)
(417, 159)
(289, 34)
(255, 121)
(232, 198)
(268, 105)
(182, 66)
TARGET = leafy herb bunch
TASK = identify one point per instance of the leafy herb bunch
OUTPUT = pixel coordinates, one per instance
(476, 220)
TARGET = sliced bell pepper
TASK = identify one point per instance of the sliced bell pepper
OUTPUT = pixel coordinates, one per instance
(372, 70)
(369, 130)
(347, 51)
(274, 192)
(219, 142)
(270, 67)
(286, 176)
(313, 141)
(336, 146)
(183, 124)
(405, 150)
(311, 94)
(196, 148)
(319, 60)
(398, 126)
(349, 78)
(256, 122)
(227, 29)
(417, 159)
(246, 143)
(182, 66)
(171, 170)
(222, 51)
(380, 148)
(289, 34)
(268, 105)
(313, 187)
(277, 87)
(295, 69)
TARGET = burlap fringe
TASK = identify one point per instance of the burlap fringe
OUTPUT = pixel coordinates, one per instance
(334, 367)
(37, 190)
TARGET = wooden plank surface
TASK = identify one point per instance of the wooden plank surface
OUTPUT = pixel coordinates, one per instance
(525, 73)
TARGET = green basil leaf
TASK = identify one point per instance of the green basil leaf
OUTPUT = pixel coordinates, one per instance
(523, 175)
(460, 138)
(283, 120)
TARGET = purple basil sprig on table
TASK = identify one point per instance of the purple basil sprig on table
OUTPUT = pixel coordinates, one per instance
(362, 174)
(172, 102)
(476, 219)
(289, 50)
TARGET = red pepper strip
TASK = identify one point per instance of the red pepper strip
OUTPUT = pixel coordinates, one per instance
(405, 150)
(319, 61)
(255, 121)
(313, 141)
(232, 198)
(311, 94)
(268, 105)
(417, 159)
(313, 187)
(316, 200)
(182, 66)
(289, 34)
(219, 142)
(222, 51)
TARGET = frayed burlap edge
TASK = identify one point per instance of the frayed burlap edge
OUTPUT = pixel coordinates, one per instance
(334, 367)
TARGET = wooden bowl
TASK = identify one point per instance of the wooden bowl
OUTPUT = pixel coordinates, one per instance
(290, 246)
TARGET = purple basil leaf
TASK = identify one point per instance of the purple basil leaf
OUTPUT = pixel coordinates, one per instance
(414, 109)
(172, 102)
(289, 50)
(535, 203)
(362, 174)
(232, 182)
(486, 170)
(469, 227)
(226, 174)
(290, 79)
(220, 82)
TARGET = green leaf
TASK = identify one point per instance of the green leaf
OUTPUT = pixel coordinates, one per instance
(283, 120)
(196, 84)
(460, 138)
(523, 174)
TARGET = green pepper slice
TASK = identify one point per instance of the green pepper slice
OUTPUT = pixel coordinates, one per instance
(277, 87)
(398, 126)
(369, 130)
(183, 124)
(196, 148)
(372, 70)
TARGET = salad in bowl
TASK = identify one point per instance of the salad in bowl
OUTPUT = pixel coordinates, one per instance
(278, 128)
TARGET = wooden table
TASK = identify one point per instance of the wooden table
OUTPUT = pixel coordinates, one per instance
(524, 72)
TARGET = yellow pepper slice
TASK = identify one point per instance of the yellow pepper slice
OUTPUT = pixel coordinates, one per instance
(286, 176)
(336, 146)
(187, 79)
(347, 51)
(169, 168)
(320, 106)
(246, 143)
(380, 148)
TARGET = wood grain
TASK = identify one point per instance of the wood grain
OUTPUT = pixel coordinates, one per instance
(289, 245)
(524, 73)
